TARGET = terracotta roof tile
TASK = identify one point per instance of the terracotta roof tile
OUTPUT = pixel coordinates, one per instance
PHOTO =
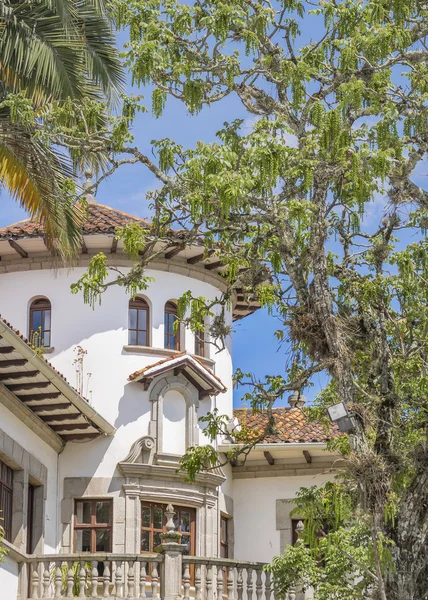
(101, 219)
(291, 426)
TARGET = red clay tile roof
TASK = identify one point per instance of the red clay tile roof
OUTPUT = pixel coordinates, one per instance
(176, 358)
(291, 426)
(101, 219)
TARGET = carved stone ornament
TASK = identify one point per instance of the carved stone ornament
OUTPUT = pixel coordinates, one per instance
(142, 451)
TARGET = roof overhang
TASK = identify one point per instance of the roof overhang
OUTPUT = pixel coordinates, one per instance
(38, 386)
(202, 378)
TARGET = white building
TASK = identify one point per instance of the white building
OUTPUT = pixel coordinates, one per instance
(92, 470)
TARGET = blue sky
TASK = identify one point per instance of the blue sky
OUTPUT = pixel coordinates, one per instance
(255, 347)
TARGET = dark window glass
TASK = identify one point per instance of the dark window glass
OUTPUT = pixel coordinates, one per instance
(200, 343)
(224, 545)
(172, 340)
(139, 322)
(40, 323)
(93, 525)
(6, 481)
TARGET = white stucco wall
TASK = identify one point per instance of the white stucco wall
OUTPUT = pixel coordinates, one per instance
(48, 457)
(174, 423)
(8, 579)
(103, 333)
(256, 537)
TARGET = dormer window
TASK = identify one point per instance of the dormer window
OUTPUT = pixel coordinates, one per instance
(40, 323)
(172, 339)
(139, 322)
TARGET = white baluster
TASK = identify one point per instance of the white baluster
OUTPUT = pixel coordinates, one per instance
(70, 579)
(106, 577)
(131, 580)
(268, 586)
(209, 582)
(240, 583)
(155, 581)
(198, 582)
(143, 579)
(186, 581)
(58, 579)
(46, 580)
(292, 594)
(94, 578)
(34, 580)
(219, 583)
(118, 579)
(259, 585)
(249, 583)
(82, 580)
(230, 583)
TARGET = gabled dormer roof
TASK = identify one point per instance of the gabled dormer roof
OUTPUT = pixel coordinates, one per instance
(187, 365)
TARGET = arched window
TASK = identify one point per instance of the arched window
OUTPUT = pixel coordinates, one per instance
(40, 323)
(172, 340)
(139, 322)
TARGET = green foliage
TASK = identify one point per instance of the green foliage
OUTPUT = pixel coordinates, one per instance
(315, 212)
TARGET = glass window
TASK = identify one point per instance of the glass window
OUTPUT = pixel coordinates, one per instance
(153, 522)
(139, 320)
(6, 482)
(40, 323)
(172, 339)
(93, 525)
(224, 545)
(200, 343)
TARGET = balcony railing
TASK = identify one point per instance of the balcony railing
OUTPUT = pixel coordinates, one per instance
(113, 576)
(168, 575)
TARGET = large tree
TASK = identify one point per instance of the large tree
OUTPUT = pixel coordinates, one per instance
(50, 52)
(340, 123)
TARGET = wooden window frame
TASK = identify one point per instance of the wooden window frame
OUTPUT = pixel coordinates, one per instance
(178, 510)
(224, 521)
(200, 343)
(6, 488)
(170, 310)
(40, 305)
(30, 518)
(140, 304)
(93, 526)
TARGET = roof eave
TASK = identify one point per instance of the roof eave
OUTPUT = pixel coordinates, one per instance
(41, 365)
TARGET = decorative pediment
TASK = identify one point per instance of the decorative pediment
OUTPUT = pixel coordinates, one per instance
(142, 451)
(202, 378)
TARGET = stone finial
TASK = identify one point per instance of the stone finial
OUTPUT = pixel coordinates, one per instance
(169, 513)
(300, 527)
(296, 400)
(90, 198)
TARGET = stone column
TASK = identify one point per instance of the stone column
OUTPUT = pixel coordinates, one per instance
(172, 549)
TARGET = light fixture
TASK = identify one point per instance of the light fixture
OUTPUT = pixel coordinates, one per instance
(339, 414)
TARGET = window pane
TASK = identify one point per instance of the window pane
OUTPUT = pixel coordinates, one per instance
(133, 338)
(132, 318)
(102, 540)
(142, 338)
(224, 531)
(46, 319)
(145, 541)
(156, 540)
(223, 552)
(157, 518)
(37, 320)
(145, 516)
(142, 320)
(185, 521)
(102, 513)
(83, 540)
(46, 337)
(186, 540)
(83, 513)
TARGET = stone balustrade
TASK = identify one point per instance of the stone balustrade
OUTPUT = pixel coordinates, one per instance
(94, 576)
(168, 575)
